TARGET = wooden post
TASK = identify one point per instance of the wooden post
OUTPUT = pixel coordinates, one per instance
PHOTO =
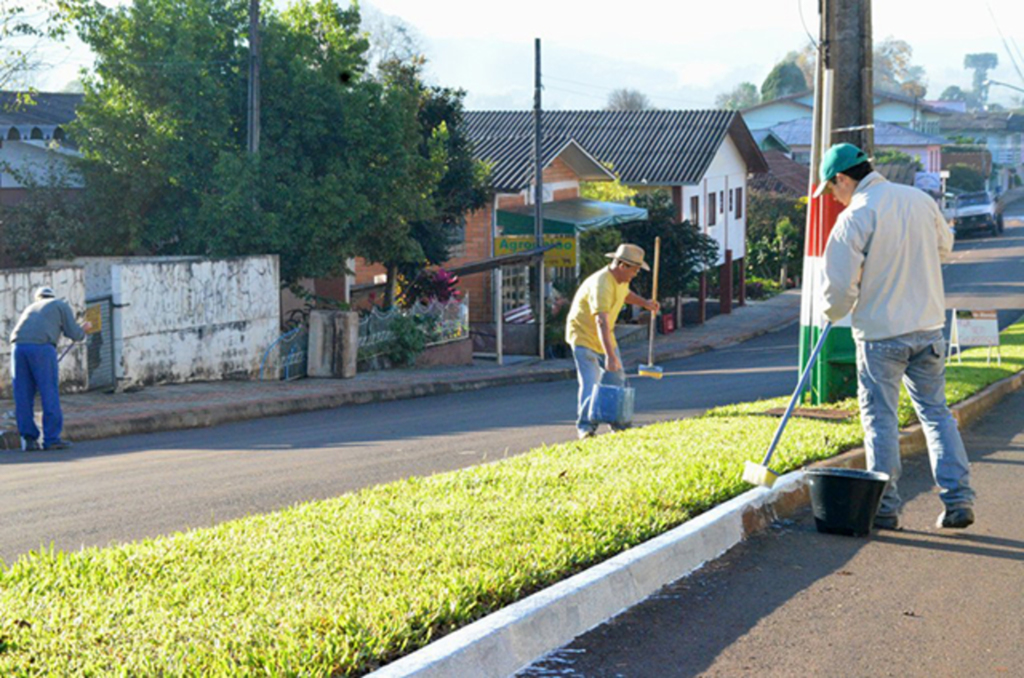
(702, 310)
(743, 282)
(725, 284)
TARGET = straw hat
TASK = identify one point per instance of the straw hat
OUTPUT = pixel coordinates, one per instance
(45, 293)
(630, 254)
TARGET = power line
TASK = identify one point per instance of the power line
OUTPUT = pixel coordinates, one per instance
(1005, 44)
(800, 8)
(606, 91)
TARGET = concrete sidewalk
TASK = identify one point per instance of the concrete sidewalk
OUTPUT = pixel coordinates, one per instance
(94, 415)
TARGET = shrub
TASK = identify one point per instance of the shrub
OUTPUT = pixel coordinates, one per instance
(407, 341)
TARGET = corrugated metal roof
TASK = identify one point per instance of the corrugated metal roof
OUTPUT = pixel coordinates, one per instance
(48, 112)
(653, 147)
(798, 133)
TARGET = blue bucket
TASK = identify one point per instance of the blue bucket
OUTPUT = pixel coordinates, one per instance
(611, 404)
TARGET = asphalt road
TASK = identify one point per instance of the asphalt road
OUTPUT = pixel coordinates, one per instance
(142, 486)
(134, 487)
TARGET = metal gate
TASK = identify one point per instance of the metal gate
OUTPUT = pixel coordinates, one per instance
(100, 343)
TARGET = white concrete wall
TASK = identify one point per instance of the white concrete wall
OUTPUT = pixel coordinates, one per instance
(17, 286)
(189, 320)
(727, 172)
(33, 157)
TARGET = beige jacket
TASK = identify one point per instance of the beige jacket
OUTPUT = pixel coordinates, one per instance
(884, 259)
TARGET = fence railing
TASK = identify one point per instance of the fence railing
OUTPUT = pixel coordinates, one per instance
(286, 358)
(441, 322)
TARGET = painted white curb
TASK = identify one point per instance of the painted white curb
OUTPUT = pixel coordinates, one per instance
(511, 638)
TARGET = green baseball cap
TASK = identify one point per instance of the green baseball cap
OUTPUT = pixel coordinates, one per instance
(839, 158)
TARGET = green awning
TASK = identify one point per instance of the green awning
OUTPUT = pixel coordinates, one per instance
(568, 217)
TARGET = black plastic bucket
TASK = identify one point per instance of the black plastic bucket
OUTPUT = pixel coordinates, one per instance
(845, 500)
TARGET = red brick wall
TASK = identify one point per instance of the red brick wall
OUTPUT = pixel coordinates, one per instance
(477, 245)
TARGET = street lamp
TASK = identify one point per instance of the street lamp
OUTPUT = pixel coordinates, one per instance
(1003, 84)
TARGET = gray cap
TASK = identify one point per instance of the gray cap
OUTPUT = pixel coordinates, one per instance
(45, 293)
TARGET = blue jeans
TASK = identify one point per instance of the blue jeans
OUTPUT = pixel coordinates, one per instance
(34, 369)
(589, 372)
(918, 359)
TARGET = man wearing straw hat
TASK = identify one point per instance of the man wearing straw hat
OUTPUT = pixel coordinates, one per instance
(590, 327)
(34, 367)
(883, 262)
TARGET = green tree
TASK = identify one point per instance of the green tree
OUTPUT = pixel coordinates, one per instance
(48, 222)
(785, 79)
(893, 69)
(892, 156)
(954, 93)
(459, 184)
(981, 64)
(162, 128)
(744, 95)
(685, 251)
(25, 28)
(625, 99)
(775, 235)
(608, 191)
(965, 178)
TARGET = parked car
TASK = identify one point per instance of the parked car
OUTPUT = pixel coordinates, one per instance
(976, 211)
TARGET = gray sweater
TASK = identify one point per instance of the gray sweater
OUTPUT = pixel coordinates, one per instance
(44, 321)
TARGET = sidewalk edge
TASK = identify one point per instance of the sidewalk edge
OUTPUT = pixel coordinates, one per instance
(514, 637)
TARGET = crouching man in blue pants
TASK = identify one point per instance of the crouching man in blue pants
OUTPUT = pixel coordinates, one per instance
(34, 367)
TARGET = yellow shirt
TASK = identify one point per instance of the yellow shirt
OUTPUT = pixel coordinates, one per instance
(599, 293)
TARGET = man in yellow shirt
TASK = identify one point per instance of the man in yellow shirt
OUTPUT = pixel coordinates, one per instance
(590, 327)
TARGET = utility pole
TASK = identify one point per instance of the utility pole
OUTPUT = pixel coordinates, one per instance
(843, 112)
(538, 194)
(850, 60)
(253, 108)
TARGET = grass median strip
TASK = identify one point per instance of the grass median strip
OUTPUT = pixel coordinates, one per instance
(339, 587)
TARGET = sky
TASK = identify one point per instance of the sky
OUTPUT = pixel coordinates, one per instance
(680, 54)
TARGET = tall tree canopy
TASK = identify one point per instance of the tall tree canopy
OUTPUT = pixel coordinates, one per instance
(981, 64)
(892, 66)
(625, 99)
(894, 70)
(24, 29)
(785, 79)
(744, 95)
(163, 124)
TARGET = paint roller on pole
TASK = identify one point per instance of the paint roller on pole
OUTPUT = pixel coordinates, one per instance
(650, 369)
(761, 474)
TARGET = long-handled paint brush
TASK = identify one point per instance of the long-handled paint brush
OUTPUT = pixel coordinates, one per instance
(650, 369)
(760, 474)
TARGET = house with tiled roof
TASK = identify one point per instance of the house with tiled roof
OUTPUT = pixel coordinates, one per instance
(889, 107)
(925, 148)
(33, 135)
(702, 159)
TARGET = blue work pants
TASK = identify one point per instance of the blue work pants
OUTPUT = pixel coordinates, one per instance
(34, 370)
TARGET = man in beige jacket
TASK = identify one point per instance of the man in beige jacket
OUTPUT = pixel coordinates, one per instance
(883, 263)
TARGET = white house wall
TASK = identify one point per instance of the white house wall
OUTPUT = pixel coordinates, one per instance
(17, 286)
(775, 113)
(34, 157)
(194, 320)
(727, 172)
